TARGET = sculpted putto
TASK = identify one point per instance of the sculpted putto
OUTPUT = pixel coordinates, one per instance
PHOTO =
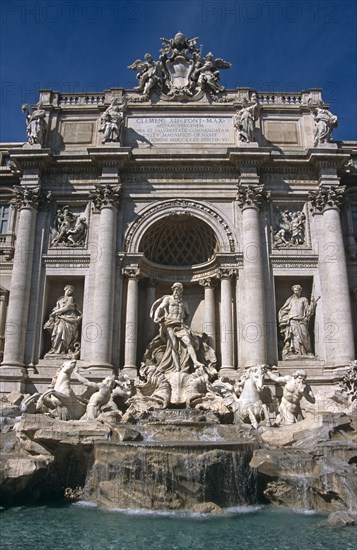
(63, 324)
(149, 75)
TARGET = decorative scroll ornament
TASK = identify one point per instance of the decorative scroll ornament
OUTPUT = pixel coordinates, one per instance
(26, 197)
(105, 195)
(251, 197)
(181, 73)
(327, 197)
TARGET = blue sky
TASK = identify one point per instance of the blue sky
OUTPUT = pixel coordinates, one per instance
(273, 45)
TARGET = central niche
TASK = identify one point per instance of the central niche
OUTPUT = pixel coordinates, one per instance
(179, 240)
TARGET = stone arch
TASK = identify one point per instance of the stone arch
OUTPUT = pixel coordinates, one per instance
(179, 207)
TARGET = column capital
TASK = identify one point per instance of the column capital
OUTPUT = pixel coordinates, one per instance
(25, 197)
(326, 198)
(105, 196)
(251, 196)
(208, 282)
(227, 273)
(131, 273)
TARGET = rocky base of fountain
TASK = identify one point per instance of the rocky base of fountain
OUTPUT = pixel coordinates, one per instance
(182, 461)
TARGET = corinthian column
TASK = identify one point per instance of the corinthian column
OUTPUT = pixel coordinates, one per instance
(226, 332)
(25, 200)
(210, 317)
(338, 337)
(252, 319)
(106, 199)
(131, 321)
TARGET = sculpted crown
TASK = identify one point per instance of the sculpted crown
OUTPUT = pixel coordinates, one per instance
(182, 72)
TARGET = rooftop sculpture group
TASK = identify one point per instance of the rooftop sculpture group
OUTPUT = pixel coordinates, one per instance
(182, 71)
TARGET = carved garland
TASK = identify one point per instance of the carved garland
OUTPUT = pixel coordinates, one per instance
(185, 204)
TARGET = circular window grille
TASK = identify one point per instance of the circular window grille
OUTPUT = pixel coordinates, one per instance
(179, 240)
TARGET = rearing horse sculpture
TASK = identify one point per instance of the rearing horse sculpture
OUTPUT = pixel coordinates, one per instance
(249, 404)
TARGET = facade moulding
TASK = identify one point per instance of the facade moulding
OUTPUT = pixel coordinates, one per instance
(60, 261)
(155, 212)
(301, 261)
(193, 274)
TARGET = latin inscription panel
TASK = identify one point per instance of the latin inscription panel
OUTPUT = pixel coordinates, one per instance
(215, 130)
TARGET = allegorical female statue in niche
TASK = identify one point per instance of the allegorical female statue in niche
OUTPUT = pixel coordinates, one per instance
(63, 324)
(294, 318)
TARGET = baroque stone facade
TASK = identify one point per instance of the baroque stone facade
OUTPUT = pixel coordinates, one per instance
(240, 195)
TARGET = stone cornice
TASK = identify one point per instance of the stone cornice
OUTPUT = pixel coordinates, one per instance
(293, 262)
(67, 261)
(31, 156)
(109, 155)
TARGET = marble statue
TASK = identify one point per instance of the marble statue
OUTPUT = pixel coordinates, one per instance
(171, 313)
(63, 324)
(290, 231)
(59, 401)
(295, 388)
(293, 320)
(181, 72)
(348, 384)
(111, 122)
(243, 397)
(153, 391)
(245, 119)
(70, 229)
(101, 397)
(178, 365)
(35, 124)
(207, 73)
(150, 74)
(325, 122)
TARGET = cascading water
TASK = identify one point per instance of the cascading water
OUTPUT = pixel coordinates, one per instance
(173, 474)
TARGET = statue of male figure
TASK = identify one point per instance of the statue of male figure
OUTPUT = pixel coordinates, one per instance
(171, 312)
